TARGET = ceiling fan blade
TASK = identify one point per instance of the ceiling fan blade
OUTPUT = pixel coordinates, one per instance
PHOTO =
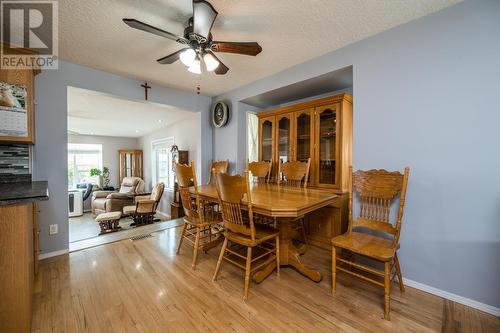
(221, 69)
(246, 48)
(133, 23)
(203, 18)
(171, 58)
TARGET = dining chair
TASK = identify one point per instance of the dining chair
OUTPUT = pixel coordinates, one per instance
(296, 174)
(241, 231)
(216, 167)
(377, 191)
(261, 171)
(200, 225)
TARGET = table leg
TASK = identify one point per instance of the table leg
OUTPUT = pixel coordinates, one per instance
(301, 247)
(261, 275)
(289, 254)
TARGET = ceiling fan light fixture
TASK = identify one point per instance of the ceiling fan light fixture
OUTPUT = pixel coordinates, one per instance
(188, 57)
(211, 62)
(195, 68)
(197, 41)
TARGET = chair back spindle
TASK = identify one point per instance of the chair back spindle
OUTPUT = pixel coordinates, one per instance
(231, 191)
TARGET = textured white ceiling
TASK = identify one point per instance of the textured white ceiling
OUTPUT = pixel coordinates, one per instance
(94, 113)
(290, 32)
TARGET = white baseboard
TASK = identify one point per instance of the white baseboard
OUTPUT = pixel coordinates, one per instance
(453, 297)
(52, 254)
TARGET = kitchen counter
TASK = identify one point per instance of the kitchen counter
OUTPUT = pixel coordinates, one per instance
(14, 193)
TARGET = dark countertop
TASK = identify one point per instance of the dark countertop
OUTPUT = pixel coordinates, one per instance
(13, 193)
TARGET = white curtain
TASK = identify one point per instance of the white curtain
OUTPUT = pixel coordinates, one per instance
(252, 136)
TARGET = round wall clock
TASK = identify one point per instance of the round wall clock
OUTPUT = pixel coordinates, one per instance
(220, 114)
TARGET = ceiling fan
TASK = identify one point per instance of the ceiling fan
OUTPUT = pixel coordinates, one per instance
(198, 41)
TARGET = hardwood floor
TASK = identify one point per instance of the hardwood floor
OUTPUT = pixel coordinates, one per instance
(143, 286)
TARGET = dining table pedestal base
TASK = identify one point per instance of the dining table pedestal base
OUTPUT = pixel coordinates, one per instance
(289, 254)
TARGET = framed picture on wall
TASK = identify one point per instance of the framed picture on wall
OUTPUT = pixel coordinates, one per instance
(13, 110)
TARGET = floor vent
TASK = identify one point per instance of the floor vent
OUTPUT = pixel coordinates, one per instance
(139, 237)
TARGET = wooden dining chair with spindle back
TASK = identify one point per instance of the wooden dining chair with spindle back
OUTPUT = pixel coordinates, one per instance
(261, 171)
(377, 191)
(240, 229)
(295, 174)
(217, 167)
(199, 225)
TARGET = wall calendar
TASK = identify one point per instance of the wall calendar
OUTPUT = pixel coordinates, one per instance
(13, 110)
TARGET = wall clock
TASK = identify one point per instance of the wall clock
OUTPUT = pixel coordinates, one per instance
(220, 114)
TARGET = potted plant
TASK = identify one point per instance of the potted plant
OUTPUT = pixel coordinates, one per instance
(96, 172)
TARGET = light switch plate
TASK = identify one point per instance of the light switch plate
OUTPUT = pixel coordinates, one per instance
(53, 229)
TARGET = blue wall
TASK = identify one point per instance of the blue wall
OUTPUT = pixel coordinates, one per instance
(426, 94)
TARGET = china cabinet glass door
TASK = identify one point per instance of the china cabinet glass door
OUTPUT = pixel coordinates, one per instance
(266, 139)
(303, 135)
(128, 165)
(284, 137)
(327, 144)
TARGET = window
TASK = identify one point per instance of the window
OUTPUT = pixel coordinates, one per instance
(252, 136)
(81, 158)
(162, 162)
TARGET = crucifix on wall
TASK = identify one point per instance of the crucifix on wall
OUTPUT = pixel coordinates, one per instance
(146, 87)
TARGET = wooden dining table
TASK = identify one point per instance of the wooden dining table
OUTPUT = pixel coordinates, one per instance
(286, 204)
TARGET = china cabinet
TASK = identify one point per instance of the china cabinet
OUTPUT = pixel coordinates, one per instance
(320, 129)
(130, 163)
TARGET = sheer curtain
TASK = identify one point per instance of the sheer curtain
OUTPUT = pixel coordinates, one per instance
(252, 137)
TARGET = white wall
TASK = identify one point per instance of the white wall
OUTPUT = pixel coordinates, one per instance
(425, 95)
(185, 136)
(110, 147)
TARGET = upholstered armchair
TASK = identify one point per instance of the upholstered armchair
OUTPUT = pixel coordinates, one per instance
(109, 201)
(145, 206)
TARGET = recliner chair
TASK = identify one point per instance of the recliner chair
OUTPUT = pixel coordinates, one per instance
(144, 210)
(109, 201)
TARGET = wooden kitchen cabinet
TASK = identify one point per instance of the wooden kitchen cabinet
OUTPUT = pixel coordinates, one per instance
(10, 82)
(18, 265)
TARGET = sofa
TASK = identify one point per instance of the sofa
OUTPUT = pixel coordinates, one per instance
(110, 201)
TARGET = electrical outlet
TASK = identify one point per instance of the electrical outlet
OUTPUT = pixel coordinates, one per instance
(53, 229)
